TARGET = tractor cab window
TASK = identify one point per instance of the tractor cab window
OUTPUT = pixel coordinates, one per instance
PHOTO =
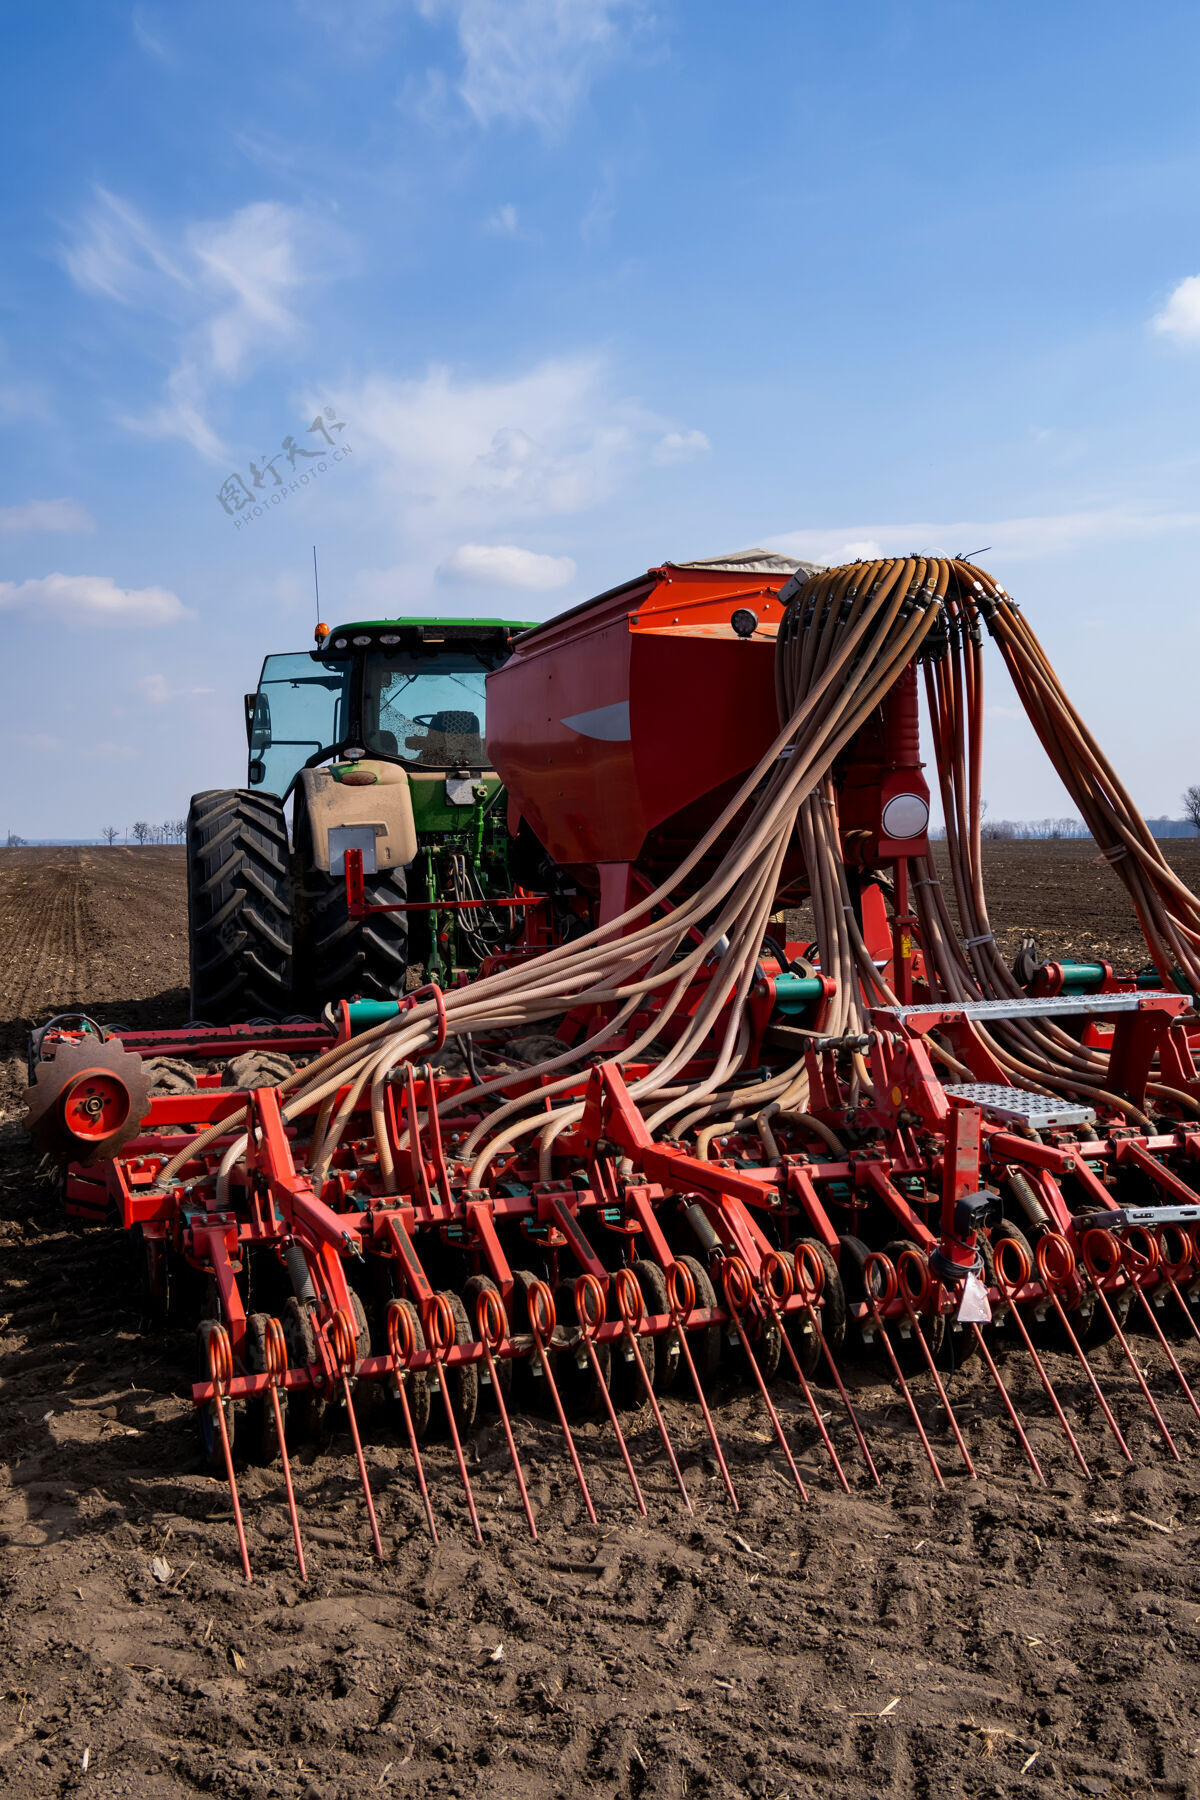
(302, 708)
(428, 707)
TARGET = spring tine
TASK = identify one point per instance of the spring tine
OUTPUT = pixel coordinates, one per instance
(818, 1421)
(344, 1348)
(401, 1343)
(1180, 1377)
(738, 1296)
(276, 1359)
(682, 1292)
(630, 1306)
(901, 1383)
(1050, 1393)
(648, 1386)
(590, 1306)
(543, 1306)
(362, 1467)
(1057, 1272)
(931, 1365)
(1009, 1408)
(1091, 1375)
(1092, 1237)
(220, 1364)
(491, 1321)
(287, 1481)
(1010, 1286)
(1184, 1308)
(809, 1283)
(439, 1328)
(615, 1422)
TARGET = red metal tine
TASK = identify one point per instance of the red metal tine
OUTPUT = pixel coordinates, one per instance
(492, 1325)
(1172, 1266)
(681, 1294)
(402, 1341)
(632, 1310)
(275, 1357)
(1140, 1254)
(739, 1298)
(878, 1262)
(1101, 1258)
(776, 1285)
(542, 1319)
(591, 1305)
(220, 1368)
(440, 1334)
(340, 1334)
(910, 1298)
(911, 1261)
(1010, 1280)
(1056, 1272)
(809, 1276)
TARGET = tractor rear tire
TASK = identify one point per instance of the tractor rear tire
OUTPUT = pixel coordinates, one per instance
(239, 907)
(337, 957)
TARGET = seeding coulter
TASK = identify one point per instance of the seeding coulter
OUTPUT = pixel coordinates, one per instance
(660, 1141)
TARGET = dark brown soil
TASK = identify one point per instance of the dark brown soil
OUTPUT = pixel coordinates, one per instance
(1000, 1639)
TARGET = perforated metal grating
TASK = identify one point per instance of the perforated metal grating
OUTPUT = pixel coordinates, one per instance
(1041, 1111)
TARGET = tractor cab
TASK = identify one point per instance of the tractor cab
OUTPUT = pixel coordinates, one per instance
(408, 691)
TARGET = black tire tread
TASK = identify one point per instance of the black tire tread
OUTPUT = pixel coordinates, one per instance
(239, 906)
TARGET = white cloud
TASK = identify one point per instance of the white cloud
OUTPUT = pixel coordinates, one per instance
(157, 690)
(146, 38)
(503, 222)
(680, 446)
(228, 287)
(250, 265)
(115, 252)
(180, 414)
(1015, 540)
(92, 600)
(504, 565)
(1180, 317)
(46, 515)
(532, 60)
(452, 454)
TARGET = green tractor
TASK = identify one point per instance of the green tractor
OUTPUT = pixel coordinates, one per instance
(377, 739)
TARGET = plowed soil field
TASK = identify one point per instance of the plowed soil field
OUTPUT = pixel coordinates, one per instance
(999, 1638)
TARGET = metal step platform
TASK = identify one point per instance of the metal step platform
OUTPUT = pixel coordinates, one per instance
(1019, 1106)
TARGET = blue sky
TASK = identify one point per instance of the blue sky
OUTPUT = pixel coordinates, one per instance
(585, 284)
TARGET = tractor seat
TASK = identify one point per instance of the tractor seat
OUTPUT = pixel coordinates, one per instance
(450, 739)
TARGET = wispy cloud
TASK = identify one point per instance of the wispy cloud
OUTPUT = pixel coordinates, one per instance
(1017, 540)
(229, 288)
(92, 600)
(680, 446)
(1180, 317)
(451, 452)
(505, 565)
(531, 61)
(503, 222)
(158, 690)
(46, 515)
(148, 36)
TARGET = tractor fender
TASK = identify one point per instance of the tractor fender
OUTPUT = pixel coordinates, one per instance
(383, 806)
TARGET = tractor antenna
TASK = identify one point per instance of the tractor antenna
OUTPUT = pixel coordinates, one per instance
(316, 584)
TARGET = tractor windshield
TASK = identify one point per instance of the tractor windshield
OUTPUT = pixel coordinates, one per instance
(428, 706)
(417, 705)
(302, 708)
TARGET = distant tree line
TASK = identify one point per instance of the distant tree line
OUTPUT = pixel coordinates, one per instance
(171, 831)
